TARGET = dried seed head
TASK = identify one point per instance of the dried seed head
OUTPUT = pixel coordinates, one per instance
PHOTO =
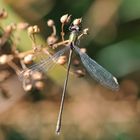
(85, 31)
(76, 62)
(33, 29)
(36, 29)
(10, 28)
(50, 23)
(80, 73)
(4, 74)
(30, 30)
(27, 87)
(4, 59)
(83, 50)
(77, 21)
(22, 25)
(39, 85)
(51, 40)
(3, 13)
(28, 59)
(14, 26)
(68, 19)
(62, 60)
(26, 74)
(64, 18)
(37, 75)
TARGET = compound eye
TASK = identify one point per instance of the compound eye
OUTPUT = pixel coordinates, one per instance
(77, 28)
(71, 27)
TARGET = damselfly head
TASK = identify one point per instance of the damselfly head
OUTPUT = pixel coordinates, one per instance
(76, 25)
(77, 21)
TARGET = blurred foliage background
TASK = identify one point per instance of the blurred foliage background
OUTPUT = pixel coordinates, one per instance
(94, 112)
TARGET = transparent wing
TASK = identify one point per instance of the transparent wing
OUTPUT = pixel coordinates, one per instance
(97, 72)
(45, 64)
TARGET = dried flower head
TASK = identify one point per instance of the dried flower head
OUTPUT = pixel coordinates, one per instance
(39, 85)
(68, 19)
(65, 19)
(36, 75)
(80, 73)
(77, 21)
(5, 58)
(36, 29)
(83, 50)
(3, 13)
(76, 62)
(50, 23)
(62, 60)
(27, 87)
(30, 30)
(22, 25)
(33, 29)
(51, 40)
(85, 31)
(28, 59)
(10, 28)
(25, 74)
(4, 74)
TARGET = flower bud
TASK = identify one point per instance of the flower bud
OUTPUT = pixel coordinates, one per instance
(50, 22)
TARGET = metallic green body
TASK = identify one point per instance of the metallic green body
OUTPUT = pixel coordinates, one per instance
(73, 36)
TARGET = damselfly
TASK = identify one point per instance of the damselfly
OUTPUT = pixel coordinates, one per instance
(96, 71)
